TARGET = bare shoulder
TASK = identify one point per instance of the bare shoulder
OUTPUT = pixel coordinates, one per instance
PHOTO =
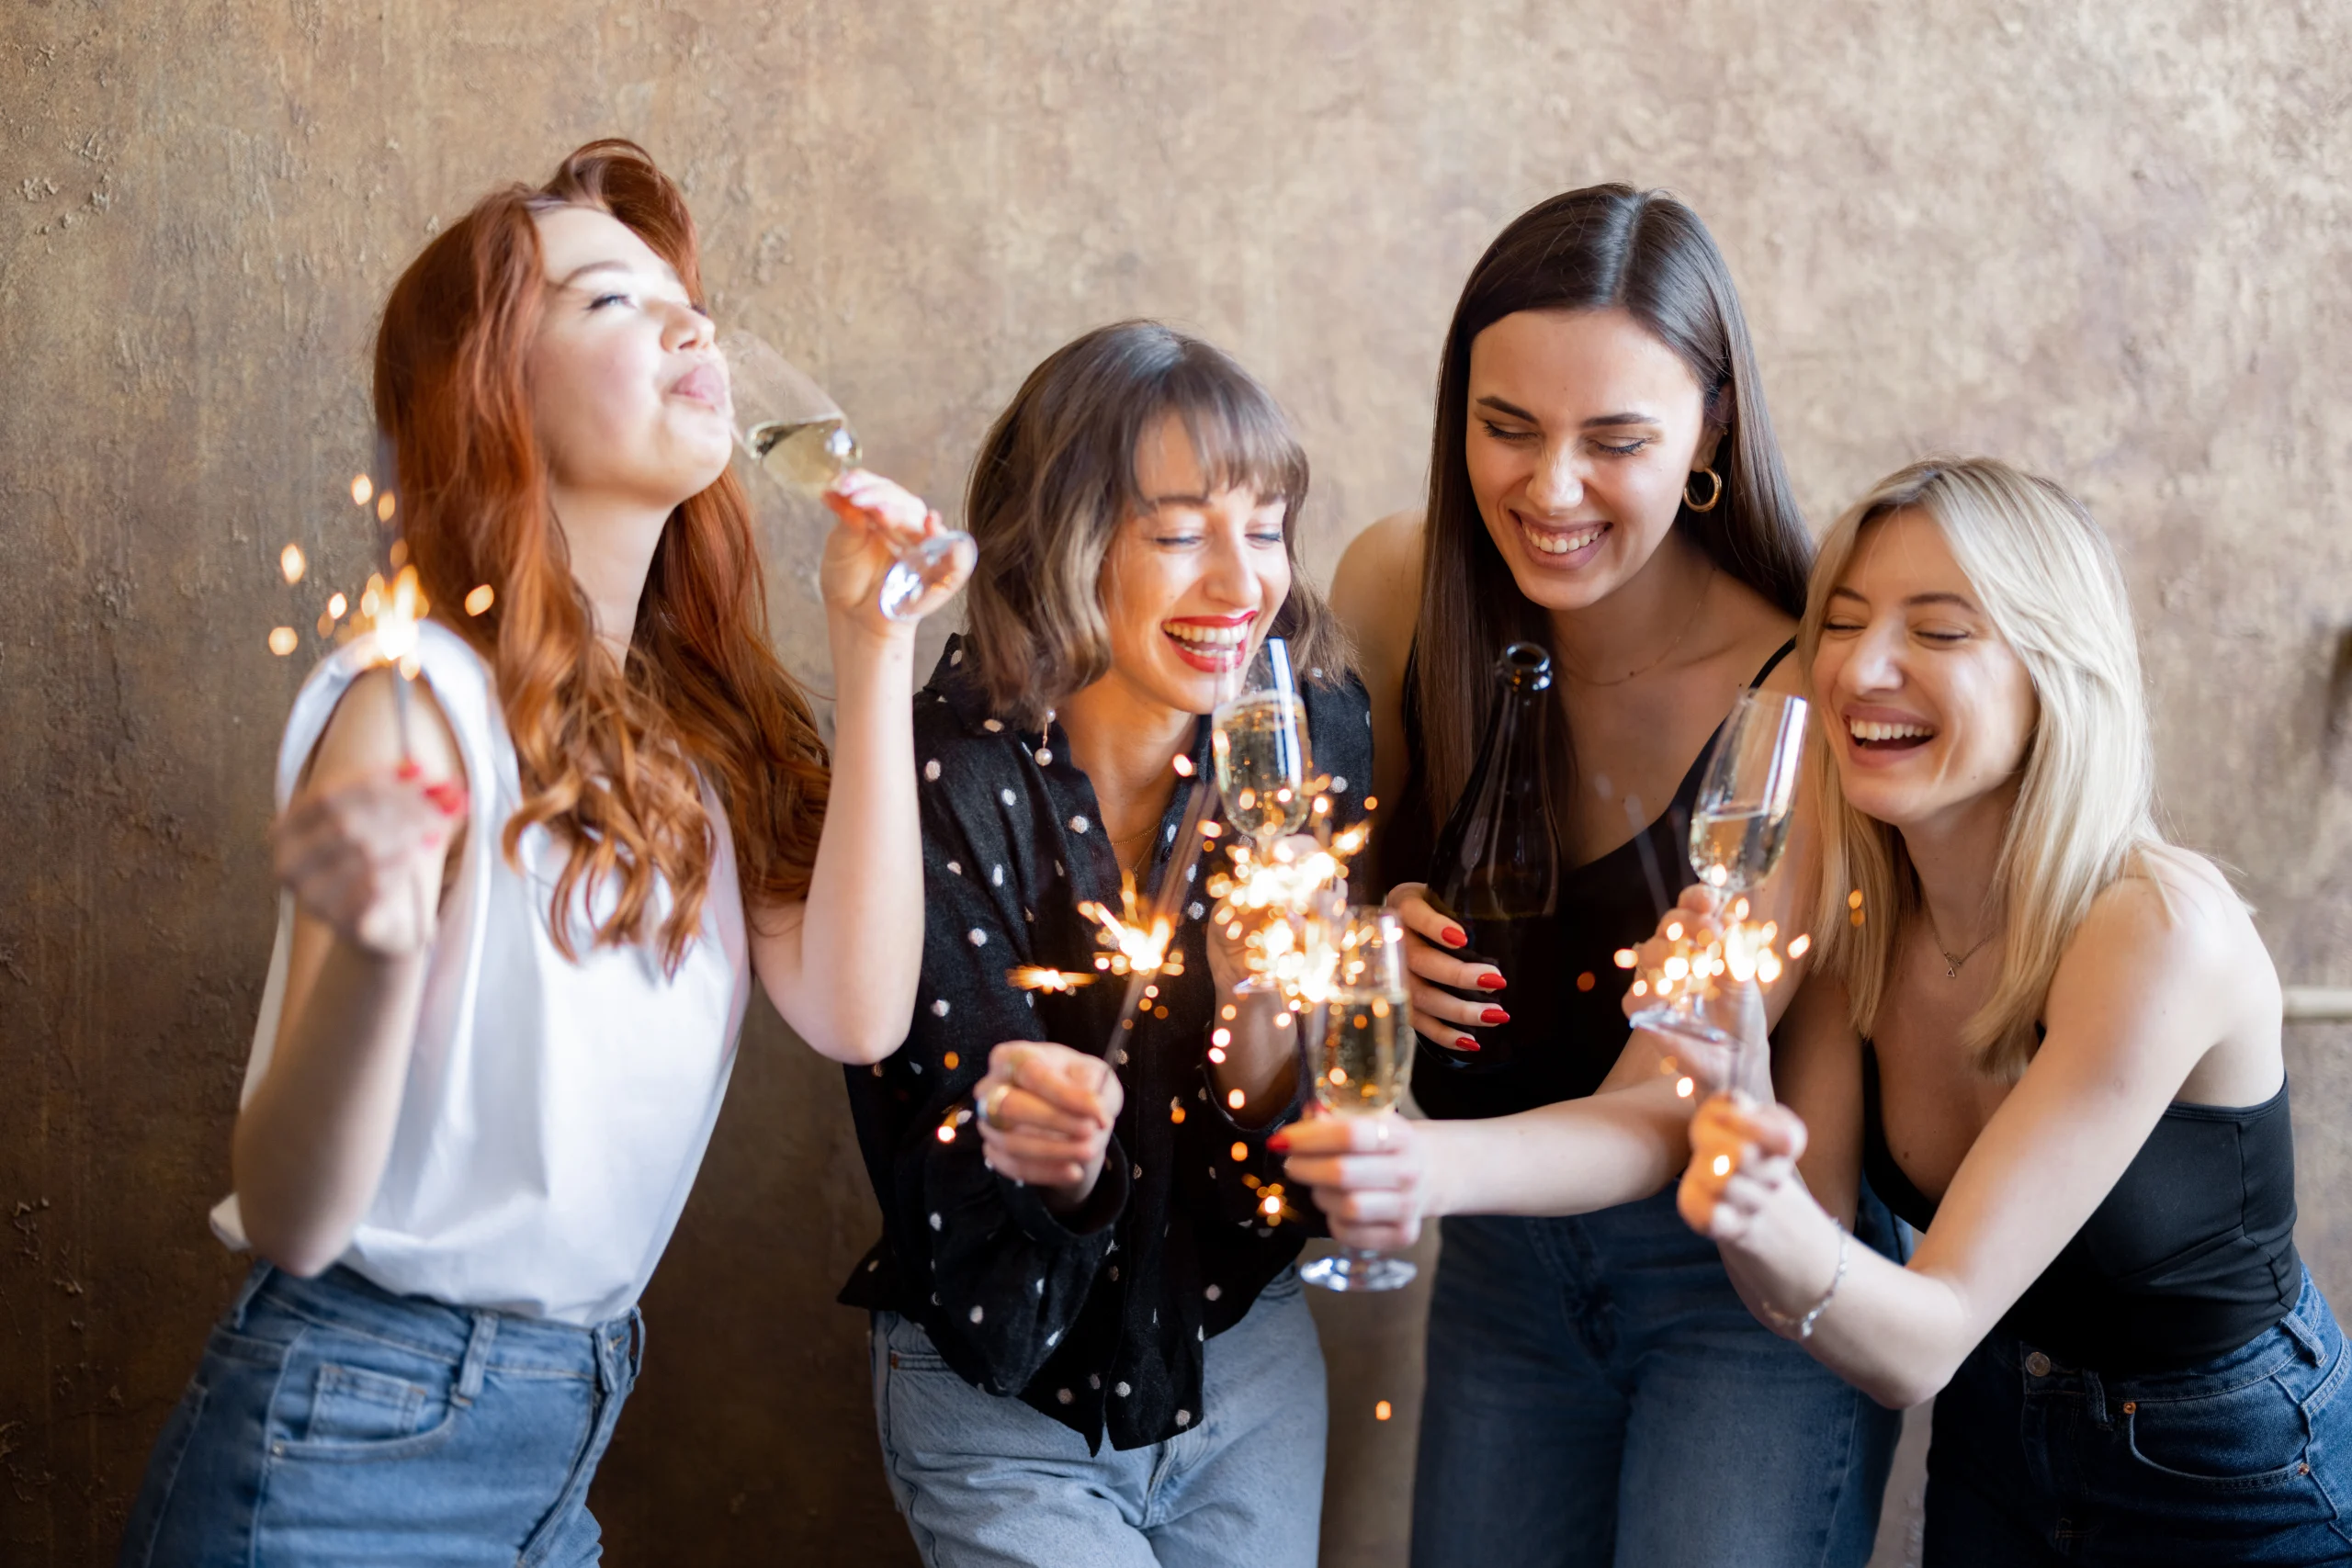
(364, 734)
(1377, 589)
(2171, 927)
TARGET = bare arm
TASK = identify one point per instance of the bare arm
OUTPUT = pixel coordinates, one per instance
(1376, 594)
(362, 848)
(843, 964)
(2138, 1001)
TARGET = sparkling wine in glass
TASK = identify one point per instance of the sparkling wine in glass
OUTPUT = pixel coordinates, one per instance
(1363, 1066)
(1738, 829)
(796, 434)
(1258, 738)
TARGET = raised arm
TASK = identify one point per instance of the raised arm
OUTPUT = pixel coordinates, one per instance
(841, 965)
(2141, 997)
(361, 847)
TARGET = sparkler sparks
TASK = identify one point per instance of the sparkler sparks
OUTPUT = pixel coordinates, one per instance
(1030, 977)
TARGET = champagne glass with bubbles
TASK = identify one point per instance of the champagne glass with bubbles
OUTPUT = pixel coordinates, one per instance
(1738, 828)
(1259, 737)
(1362, 1064)
(794, 432)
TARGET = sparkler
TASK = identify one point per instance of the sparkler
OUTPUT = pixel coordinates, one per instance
(1741, 952)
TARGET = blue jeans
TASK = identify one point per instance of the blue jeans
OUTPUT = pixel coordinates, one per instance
(2246, 1458)
(331, 1423)
(986, 1482)
(1598, 1395)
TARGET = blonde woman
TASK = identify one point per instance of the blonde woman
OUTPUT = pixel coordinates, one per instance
(2050, 1040)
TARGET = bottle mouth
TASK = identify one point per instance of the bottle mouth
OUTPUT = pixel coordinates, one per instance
(1527, 666)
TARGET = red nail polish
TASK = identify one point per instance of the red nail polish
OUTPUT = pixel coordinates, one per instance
(1491, 982)
(1494, 1015)
(1456, 936)
(1463, 1042)
(1279, 1142)
(408, 769)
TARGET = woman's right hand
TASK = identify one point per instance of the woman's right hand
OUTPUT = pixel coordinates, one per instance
(363, 856)
(878, 518)
(1046, 1114)
(1440, 1017)
(1371, 1176)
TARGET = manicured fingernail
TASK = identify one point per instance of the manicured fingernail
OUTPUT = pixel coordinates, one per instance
(408, 769)
(1454, 936)
(1463, 1042)
(1279, 1142)
(1494, 1015)
(1492, 981)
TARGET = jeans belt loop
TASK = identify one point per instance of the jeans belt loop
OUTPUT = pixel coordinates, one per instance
(263, 1271)
(477, 1362)
(2307, 1338)
(2094, 1393)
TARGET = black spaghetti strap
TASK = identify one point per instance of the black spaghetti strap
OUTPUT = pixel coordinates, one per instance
(1774, 662)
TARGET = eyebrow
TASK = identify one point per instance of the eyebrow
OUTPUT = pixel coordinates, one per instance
(1598, 421)
(1961, 600)
(609, 265)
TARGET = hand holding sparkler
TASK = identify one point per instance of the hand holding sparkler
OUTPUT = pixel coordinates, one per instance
(1046, 1114)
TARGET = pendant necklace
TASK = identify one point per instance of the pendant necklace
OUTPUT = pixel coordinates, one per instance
(1952, 961)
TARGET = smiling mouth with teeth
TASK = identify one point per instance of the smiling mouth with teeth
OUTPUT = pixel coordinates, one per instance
(1876, 736)
(1210, 645)
(1558, 542)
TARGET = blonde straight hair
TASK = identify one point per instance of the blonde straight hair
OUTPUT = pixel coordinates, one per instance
(2085, 813)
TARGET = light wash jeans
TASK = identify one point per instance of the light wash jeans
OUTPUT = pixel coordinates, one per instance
(1598, 1395)
(333, 1424)
(986, 1482)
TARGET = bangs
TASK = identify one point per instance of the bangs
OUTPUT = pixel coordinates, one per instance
(1240, 437)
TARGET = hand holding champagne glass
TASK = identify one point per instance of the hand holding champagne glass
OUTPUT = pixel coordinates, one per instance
(1738, 829)
(799, 437)
(1361, 1069)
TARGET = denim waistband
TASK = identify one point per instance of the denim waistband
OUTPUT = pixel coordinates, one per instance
(474, 1337)
(2309, 1333)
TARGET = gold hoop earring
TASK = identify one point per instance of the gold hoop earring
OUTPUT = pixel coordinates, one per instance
(1713, 496)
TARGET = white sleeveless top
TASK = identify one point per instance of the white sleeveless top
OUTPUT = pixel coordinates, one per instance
(556, 1110)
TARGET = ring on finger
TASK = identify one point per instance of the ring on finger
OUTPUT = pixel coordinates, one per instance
(992, 1102)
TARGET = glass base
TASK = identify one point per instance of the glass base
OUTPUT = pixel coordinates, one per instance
(921, 568)
(1353, 1270)
(1668, 1019)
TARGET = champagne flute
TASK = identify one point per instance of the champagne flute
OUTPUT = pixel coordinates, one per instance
(1738, 829)
(1259, 737)
(1362, 1065)
(798, 435)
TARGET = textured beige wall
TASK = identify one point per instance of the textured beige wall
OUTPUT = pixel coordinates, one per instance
(2109, 239)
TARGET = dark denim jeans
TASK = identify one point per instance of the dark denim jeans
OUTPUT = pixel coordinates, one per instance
(1598, 1395)
(331, 1423)
(2246, 1458)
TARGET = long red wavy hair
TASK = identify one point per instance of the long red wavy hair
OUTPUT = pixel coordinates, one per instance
(609, 754)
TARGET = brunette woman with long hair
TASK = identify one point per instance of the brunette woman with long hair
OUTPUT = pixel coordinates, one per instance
(1603, 481)
(523, 907)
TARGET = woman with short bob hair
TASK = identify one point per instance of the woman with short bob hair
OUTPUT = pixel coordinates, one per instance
(1087, 1257)
(2050, 1040)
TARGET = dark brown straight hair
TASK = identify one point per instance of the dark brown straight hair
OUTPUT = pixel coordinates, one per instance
(1055, 476)
(1605, 247)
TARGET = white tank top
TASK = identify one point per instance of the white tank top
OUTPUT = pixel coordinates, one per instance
(556, 1109)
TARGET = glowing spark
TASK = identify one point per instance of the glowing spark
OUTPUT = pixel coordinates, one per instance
(1371, 803)
(1184, 766)
(1270, 1207)
(385, 507)
(481, 599)
(282, 641)
(1723, 1165)
(1240, 1151)
(1221, 1037)
(1216, 1054)
(291, 562)
(947, 1132)
(1854, 899)
(395, 617)
(1627, 958)
(951, 1061)
(1800, 946)
(1685, 1086)
(1235, 1100)
(336, 606)
(1674, 930)
(1382, 1411)
(362, 489)
(1029, 977)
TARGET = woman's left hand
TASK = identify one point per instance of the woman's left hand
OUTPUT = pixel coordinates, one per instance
(879, 517)
(1734, 1007)
(1743, 1157)
(1370, 1174)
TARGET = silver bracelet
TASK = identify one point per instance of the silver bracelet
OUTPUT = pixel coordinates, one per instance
(1801, 1328)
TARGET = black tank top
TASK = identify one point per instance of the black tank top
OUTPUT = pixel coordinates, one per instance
(1604, 905)
(2191, 1253)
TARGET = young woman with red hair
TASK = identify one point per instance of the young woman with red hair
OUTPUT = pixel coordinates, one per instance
(520, 919)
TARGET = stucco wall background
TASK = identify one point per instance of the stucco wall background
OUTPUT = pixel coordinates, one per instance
(2107, 239)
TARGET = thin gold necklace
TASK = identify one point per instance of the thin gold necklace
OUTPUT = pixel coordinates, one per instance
(1688, 622)
(1952, 961)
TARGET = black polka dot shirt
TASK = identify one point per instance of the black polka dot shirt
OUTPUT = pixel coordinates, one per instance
(1097, 1317)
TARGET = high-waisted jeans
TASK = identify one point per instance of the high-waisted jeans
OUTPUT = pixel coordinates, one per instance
(331, 1423)
(985, 1482)
(2246, 1458)
(1598, 1395)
